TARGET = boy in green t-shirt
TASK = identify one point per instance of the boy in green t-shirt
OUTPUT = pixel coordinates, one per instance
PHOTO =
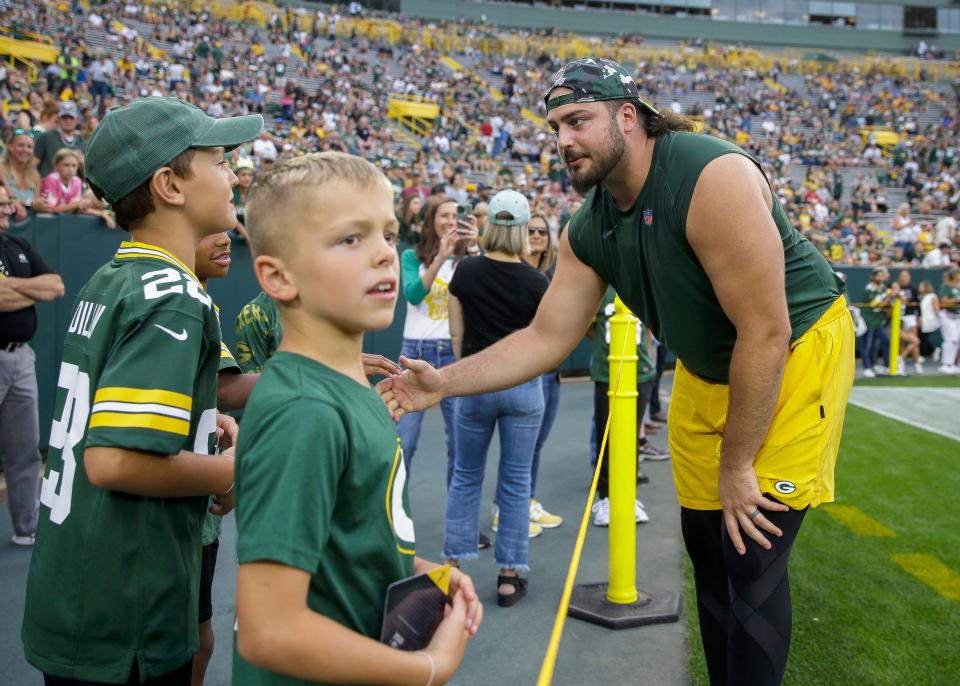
(113, 582)
(323, 525)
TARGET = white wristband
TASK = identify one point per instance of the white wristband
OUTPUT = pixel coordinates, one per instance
(433, 666)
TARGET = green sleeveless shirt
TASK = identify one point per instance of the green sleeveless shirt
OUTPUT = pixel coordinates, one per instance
(644, 254)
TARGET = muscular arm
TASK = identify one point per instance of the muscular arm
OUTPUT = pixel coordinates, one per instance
(39, 288)
(731, 230)
(158, 476)
(567, 309)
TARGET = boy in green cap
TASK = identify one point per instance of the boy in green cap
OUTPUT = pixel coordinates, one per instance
(113, 583)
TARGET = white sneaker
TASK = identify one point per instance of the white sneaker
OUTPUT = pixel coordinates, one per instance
(601, 512)
(918, 367)
(948, 369)
(27, 540)
(868, 374)
(640, 513)
(880, 369)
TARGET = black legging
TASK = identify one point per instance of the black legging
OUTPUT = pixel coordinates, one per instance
(743, 600)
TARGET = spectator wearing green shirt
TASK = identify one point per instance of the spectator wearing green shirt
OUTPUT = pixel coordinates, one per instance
(876, 340)
(65, 135)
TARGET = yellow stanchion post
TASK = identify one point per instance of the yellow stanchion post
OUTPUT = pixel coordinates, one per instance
(617, 604)
(895, 337)
(623, 456)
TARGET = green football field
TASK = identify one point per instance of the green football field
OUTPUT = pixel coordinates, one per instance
(875, 576)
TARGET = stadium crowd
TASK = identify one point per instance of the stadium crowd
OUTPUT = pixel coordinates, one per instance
(328, 86)
(863, 160)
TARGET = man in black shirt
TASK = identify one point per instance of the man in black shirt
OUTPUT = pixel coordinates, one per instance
(24, 280)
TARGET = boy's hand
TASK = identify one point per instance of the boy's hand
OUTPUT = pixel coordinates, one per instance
(463, 583)
(450, 640)
(222, 504)
(227, 430)
(378, 365)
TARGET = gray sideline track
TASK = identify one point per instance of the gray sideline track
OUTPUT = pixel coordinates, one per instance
(512, 641)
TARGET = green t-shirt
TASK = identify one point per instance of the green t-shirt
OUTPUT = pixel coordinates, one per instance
(952, 292)
(259, 330)
(321, 487)
(114, 577)
(873, 317)
(644, 254)
(599, 364)
(48, 143)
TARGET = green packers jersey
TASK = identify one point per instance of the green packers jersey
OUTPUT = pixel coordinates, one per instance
(599, 364)
(321, 487)
(114, 577)
(259, 330)
(874, 317)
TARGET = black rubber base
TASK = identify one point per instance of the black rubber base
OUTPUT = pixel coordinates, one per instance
(589, 603)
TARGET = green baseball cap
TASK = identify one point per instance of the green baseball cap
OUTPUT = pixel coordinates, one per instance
(135, 140)
(593, 79)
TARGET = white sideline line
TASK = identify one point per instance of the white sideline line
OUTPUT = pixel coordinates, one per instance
(868, 399)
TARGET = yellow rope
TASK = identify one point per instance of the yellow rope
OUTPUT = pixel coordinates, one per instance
(550, 659)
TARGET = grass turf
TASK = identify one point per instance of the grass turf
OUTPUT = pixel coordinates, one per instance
(939, 381)
(859, 618)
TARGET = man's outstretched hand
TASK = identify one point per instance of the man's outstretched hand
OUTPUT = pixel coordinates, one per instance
(420, 386)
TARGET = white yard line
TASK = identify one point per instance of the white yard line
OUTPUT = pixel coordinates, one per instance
(936, 410)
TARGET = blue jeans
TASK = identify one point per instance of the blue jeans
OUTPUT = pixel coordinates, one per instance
(551, 399)
(439, 354)
(518, 413)
(875, 342)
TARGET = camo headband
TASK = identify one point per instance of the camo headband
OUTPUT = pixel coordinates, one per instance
(593, 79)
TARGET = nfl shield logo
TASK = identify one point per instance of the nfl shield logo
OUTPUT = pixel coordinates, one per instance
(648, 217)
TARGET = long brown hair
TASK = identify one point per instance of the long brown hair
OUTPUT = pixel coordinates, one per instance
(428, 247)
(654, 124)
(547, 257)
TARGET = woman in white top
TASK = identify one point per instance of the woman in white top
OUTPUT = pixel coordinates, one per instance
(929, 316)
(427, 270)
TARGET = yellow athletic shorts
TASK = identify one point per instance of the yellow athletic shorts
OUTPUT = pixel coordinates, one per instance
(796, 461)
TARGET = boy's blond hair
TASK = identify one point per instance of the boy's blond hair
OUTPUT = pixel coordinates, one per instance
(291, 183)
(512, 240)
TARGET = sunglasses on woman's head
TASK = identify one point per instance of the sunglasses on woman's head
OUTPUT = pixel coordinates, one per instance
(531, 230)
(25, 132)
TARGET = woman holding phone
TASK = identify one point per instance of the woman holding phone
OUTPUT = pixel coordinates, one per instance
(427, 270)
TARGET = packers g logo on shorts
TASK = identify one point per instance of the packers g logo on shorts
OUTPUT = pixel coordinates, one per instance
(785, 487)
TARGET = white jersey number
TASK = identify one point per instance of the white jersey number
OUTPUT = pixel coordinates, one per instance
(169, 281)
(65, 433)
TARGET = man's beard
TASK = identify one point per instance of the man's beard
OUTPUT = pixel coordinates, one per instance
(602, 162)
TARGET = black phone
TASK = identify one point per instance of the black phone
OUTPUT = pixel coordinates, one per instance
(464, 211)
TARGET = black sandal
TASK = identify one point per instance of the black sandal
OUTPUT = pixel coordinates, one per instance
(518, 583)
